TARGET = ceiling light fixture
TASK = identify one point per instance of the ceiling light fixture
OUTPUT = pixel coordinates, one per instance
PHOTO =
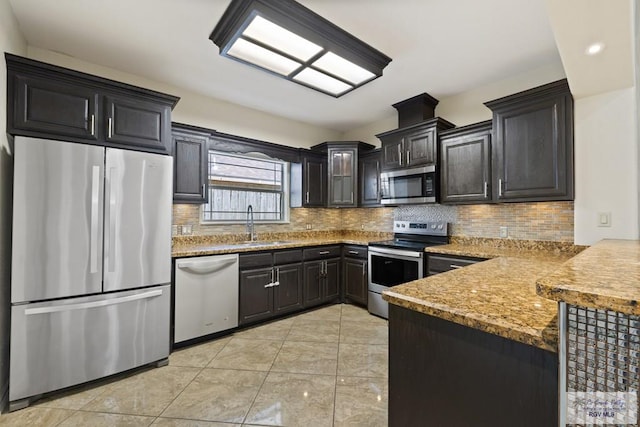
(288, 40)
(595, 48)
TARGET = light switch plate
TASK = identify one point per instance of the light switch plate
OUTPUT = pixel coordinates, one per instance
(604, 219)
(504, 232)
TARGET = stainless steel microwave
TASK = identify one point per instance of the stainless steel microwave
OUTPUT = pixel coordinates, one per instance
(407, 186)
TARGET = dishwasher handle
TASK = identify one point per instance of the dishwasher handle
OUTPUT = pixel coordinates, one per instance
(206, 266)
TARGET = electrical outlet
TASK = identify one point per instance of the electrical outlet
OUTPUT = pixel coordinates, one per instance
(187, 229)
(504, 232)
(309, 227)
(361, 226)
(174, 230)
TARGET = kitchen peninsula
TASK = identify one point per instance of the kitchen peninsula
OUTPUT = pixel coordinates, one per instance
(479, 345)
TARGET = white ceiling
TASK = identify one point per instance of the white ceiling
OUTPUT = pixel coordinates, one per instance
(442, 47)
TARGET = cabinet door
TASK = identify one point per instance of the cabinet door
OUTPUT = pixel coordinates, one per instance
(420, 147)
(331, 279)
(370, 180)
(288, 294)
(534, 151)
(45, 105)
(314, 181)
(355, 280)
(392, 153)
(342, 177)
(190, 167)
(136, 123)
(466, 169)
(256, 301)
(313, 279)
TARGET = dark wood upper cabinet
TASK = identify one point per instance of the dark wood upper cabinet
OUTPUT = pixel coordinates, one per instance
(343, 177)
(137, 123)
(52, 102)
(49, 106)
(412, 146)
(465, 167)
(190, 160)
(370, 178)
(342, 170)
(314, 180)
(533, 145)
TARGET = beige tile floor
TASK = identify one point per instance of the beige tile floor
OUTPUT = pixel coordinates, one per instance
(326, 367)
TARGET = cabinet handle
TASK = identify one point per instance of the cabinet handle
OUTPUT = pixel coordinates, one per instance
(500, 187)
(323, 253)
(456, 266)
(93, 125)
(269, 285)
(352, 197)
(307, 197)
(354, 252)
(272, 276)
(408, 157)
(486, 191)
(110, 127)
(400, 155)
(277, 276)
(204, 191)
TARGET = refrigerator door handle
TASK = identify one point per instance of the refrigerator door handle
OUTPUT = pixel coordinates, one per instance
(93, 304)
(111, 235)
(95, 205)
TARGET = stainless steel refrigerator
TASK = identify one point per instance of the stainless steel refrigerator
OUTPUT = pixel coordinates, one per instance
(91, 264)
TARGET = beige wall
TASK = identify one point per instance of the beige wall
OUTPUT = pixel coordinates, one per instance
(11, 40)
(207, 112)
(606, 158)
(466, 107)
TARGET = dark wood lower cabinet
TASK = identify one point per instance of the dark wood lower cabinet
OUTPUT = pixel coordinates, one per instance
(445, 374)
(256, 301)
(288, 294)
(321, 281)
(355, 280)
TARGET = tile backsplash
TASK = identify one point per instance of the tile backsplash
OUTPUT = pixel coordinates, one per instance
(551, 221)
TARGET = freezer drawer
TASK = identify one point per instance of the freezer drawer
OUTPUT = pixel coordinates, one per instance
(66, 342)
(206, 296)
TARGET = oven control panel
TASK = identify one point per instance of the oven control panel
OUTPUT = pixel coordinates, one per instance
(423, 228)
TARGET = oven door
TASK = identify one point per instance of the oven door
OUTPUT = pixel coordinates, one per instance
(389, 267)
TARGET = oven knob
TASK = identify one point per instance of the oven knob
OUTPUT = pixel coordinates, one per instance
(403, 225)
(440, 227)
(433, 226)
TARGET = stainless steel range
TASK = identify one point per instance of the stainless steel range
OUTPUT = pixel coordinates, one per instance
(400, 260)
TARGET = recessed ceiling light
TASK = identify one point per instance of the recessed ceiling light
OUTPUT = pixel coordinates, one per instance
(594, 48)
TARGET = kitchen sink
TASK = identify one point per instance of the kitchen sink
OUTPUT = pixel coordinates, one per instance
(264, 243)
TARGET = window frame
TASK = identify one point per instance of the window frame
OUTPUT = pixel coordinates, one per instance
(285, 199)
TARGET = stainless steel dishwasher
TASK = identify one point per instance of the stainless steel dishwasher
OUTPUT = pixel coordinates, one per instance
(206, 297)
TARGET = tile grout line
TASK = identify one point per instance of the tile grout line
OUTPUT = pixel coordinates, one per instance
(264, 380)
(193, 379)
(335, 388)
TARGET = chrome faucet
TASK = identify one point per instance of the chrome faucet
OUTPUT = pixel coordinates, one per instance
(250, 226)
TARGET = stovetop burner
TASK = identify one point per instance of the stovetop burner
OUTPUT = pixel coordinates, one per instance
(415, 235)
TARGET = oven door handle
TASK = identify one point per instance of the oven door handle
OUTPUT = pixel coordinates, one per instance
(397, 252)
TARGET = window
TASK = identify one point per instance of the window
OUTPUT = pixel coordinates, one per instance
(237, 181)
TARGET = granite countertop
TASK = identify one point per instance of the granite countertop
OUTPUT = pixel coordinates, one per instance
(497, 296)
(207, 245)
(605, 276)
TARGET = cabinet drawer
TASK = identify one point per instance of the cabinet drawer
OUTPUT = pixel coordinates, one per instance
(322, 252)
(263, 259)
(440, 263)
(287, 256)
(354, 251)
